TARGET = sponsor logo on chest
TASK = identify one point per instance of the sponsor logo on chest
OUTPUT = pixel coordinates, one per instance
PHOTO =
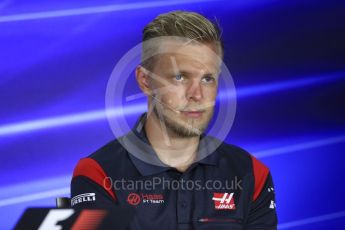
(135, 198)
(223, 201)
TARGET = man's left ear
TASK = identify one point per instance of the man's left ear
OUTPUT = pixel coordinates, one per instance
(143, 80)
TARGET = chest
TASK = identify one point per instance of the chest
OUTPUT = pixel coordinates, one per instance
(192, 201)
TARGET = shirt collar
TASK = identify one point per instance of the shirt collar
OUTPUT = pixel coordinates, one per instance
(150, 155)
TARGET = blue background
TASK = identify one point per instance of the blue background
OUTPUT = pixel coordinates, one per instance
(286, 58)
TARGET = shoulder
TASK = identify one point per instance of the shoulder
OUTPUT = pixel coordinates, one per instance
(242, 160)
(110, 153)
(103, 161)
(245, 163)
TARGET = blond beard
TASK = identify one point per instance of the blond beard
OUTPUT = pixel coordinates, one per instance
(187, 129)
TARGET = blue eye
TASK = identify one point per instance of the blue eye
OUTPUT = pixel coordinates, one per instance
(208, 79)
(179, 77)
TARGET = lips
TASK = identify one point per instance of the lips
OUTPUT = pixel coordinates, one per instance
(193, 114)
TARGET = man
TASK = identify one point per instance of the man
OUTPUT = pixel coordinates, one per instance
(179, 74)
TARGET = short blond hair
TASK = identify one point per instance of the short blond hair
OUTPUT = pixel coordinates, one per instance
(184, 24)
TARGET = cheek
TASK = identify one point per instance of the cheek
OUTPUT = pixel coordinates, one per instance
(169, 102)
(169, 99)
(210, 94)
(174, 97)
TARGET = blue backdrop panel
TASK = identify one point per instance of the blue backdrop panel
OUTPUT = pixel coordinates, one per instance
(286, 58)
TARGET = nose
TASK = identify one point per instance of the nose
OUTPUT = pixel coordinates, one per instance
(194, 91)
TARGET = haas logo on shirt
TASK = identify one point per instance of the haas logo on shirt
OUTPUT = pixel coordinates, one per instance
(224, 201)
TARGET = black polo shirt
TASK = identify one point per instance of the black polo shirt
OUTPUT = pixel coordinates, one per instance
(228, 189)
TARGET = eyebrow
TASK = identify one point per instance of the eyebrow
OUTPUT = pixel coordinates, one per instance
(186, 73)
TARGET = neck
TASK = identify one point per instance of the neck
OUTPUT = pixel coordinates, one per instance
(173, 150)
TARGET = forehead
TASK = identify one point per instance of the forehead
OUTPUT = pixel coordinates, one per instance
(188, 56)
